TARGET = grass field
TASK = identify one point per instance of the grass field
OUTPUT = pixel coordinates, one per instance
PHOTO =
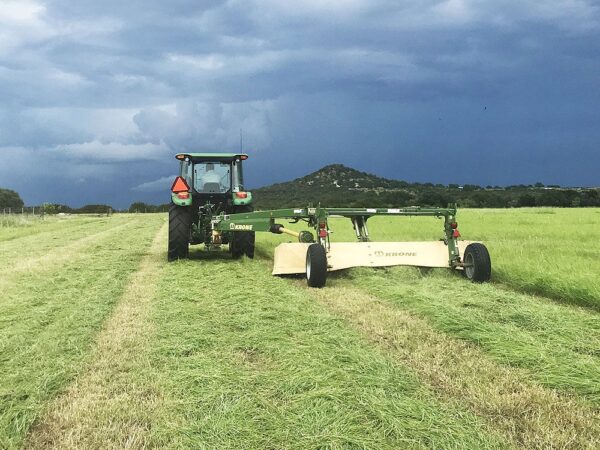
(105, 345)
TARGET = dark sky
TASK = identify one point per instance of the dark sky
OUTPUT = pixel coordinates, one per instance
(97, 96)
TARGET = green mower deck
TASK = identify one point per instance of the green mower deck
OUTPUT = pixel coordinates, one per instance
(321, 255)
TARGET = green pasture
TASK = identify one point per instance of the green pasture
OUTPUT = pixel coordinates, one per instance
(553, 252)
(231, 357)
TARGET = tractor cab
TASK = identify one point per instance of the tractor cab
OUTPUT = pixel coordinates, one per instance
(211, 177)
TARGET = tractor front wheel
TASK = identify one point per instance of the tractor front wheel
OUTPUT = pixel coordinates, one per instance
(180, 225)
(478, 265)
(316, 266)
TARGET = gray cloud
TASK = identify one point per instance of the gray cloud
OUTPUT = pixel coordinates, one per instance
(160, 185)
(107, 91)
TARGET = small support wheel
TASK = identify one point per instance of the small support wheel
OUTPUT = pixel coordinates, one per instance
(478, 265)
(316, 266)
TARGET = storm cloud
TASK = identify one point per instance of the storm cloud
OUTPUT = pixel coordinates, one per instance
(100, 95)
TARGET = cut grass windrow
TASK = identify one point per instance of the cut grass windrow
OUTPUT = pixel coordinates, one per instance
(32, 226)
(50, 317)
(558, 345)
(527, 414)
(49, 254)
(245, 360)
(51, 237)
(105, 407)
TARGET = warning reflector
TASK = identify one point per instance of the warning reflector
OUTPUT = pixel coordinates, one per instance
(179, 185)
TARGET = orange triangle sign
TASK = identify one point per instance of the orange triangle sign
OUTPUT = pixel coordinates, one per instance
(179, 185)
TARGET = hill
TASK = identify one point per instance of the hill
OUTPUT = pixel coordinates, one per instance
(337, 185)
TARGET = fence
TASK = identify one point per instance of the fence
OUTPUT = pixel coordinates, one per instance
(30, 210)
(17, 217)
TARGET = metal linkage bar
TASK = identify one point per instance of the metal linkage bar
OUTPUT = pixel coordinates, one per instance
(317, 218)
(359, 223)
(409, 211)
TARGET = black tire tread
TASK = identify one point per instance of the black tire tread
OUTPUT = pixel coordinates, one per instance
(242, 243)
(179, 232)
(481, 262)
(318, 261)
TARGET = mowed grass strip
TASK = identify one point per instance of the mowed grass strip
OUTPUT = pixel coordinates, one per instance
(557, 345)
(50, 238)
(50, 251)
(17, 227)
(49, 319)
(245, 360)
(527, 414)
(106, 407)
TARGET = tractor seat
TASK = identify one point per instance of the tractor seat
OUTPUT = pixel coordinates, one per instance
(212, 188)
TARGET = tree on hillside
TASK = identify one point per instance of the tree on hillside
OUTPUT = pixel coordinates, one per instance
(590, 198)
(10, 199)
(526, 200)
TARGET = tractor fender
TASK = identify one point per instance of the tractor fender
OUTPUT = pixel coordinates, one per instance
(242, 201)
(181, 202)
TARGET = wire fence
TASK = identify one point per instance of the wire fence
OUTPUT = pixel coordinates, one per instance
(18, 217)
(29, 210)
(27, 215)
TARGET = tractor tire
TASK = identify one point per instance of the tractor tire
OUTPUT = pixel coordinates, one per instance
(235, 246)
(478, 265)
(180, 225)
(316, 266)
(249, 245)
(242, 243)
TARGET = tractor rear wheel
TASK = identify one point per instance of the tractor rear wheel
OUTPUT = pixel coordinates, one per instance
(316, 266)
(180, 225)
(478, 265)
(242, 243)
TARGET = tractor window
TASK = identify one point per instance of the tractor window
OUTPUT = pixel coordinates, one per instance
(212, 178)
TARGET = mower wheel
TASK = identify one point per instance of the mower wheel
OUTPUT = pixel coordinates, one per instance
(316, 266)
(242, 243)
(478, 266)
(179, 232)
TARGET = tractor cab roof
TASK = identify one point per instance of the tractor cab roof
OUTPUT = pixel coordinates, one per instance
(220, 157)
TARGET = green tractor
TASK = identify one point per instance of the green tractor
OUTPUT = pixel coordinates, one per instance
(208, 185)
(211, 207)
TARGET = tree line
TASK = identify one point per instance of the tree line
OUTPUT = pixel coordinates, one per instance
(468, 196)
(430, 195)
